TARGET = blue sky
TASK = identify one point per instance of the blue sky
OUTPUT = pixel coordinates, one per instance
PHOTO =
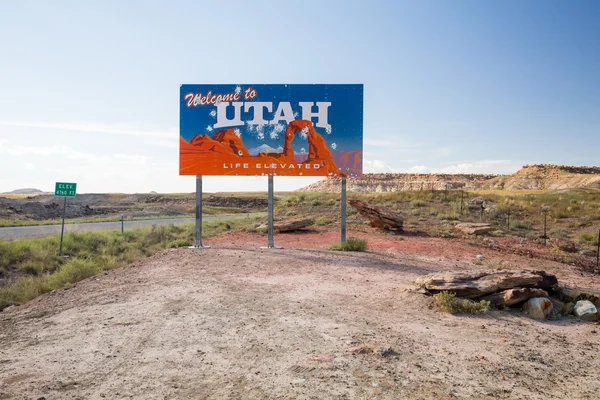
(89, 90)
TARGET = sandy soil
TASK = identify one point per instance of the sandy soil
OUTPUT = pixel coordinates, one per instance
(245, 323)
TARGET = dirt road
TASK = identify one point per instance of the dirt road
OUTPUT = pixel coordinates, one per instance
(233, 323)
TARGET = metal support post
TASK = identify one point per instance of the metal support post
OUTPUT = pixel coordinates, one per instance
(271, 203)
(343, 233)
(198, 244)
(62, 229)
(122, 224)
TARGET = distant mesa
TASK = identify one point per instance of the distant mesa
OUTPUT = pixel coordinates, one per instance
(153, 192)
(29, 191)
(530, 177)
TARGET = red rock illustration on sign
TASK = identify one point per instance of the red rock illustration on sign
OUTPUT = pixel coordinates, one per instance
(225, 154)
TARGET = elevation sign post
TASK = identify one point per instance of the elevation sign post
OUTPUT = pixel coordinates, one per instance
(343, 233)
(64, 189)
(198, 244)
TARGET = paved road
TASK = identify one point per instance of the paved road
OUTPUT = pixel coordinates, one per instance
(49, 230)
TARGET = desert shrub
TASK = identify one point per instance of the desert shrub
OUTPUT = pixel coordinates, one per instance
(315, 203)
(418, 203)
(591, 239)
(559, 233)
(179, 243)
(519, 224)
(352, 244)
(569, 308)
(322, 221)
(73, 271)
(448, 217)
(448, 302)
(34, 267)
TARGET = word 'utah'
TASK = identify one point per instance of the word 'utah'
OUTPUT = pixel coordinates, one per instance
(283, 112)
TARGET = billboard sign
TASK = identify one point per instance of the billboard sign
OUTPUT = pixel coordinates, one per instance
(282, 130)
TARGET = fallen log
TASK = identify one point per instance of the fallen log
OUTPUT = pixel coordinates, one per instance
(379, 217)
(289, 225)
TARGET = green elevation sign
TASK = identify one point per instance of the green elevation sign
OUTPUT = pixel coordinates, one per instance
(64, 189)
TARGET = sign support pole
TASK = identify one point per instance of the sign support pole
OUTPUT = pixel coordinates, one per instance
(198, 244)
(271, 203)
(62, 229)
(343, 233)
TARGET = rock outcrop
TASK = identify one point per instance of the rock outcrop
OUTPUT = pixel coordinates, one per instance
(512, 297)
(585, 310)
(318, 150)
(225, 154)
(538, 308)
(474, 228)
(230, 139)
(473, 285)
(379, 217)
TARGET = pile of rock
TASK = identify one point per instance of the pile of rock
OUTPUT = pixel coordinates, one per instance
(537, 291)
(479, 203)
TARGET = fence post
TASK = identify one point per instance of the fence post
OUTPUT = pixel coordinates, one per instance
(598, 251)
(62, 229)
(461, 201)
(545, 218)
(508, 219)
(122, 224)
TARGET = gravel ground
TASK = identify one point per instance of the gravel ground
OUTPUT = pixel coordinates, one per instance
(246, 323)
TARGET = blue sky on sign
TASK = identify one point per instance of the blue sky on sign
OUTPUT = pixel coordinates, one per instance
(89, 90)
(343, 116)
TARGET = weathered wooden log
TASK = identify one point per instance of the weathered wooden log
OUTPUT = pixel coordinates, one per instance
(515, 296)
(379, 217)
(289, 225)
(473, 285)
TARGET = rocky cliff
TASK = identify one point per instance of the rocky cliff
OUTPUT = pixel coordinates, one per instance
(532, 177)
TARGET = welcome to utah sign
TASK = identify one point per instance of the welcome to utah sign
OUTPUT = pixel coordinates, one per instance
(285, 130)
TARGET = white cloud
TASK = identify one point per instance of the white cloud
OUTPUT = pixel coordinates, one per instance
(376, 166)
(470, 167)
(115, 129)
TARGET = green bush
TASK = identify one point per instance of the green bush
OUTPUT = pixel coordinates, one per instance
(33, 267)
(73, 271)
(559, 233)
(352, 244)
(448, 302)
(519, 224)
(591, 239)
(417, 203)
(179, 243)
(322, 221)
